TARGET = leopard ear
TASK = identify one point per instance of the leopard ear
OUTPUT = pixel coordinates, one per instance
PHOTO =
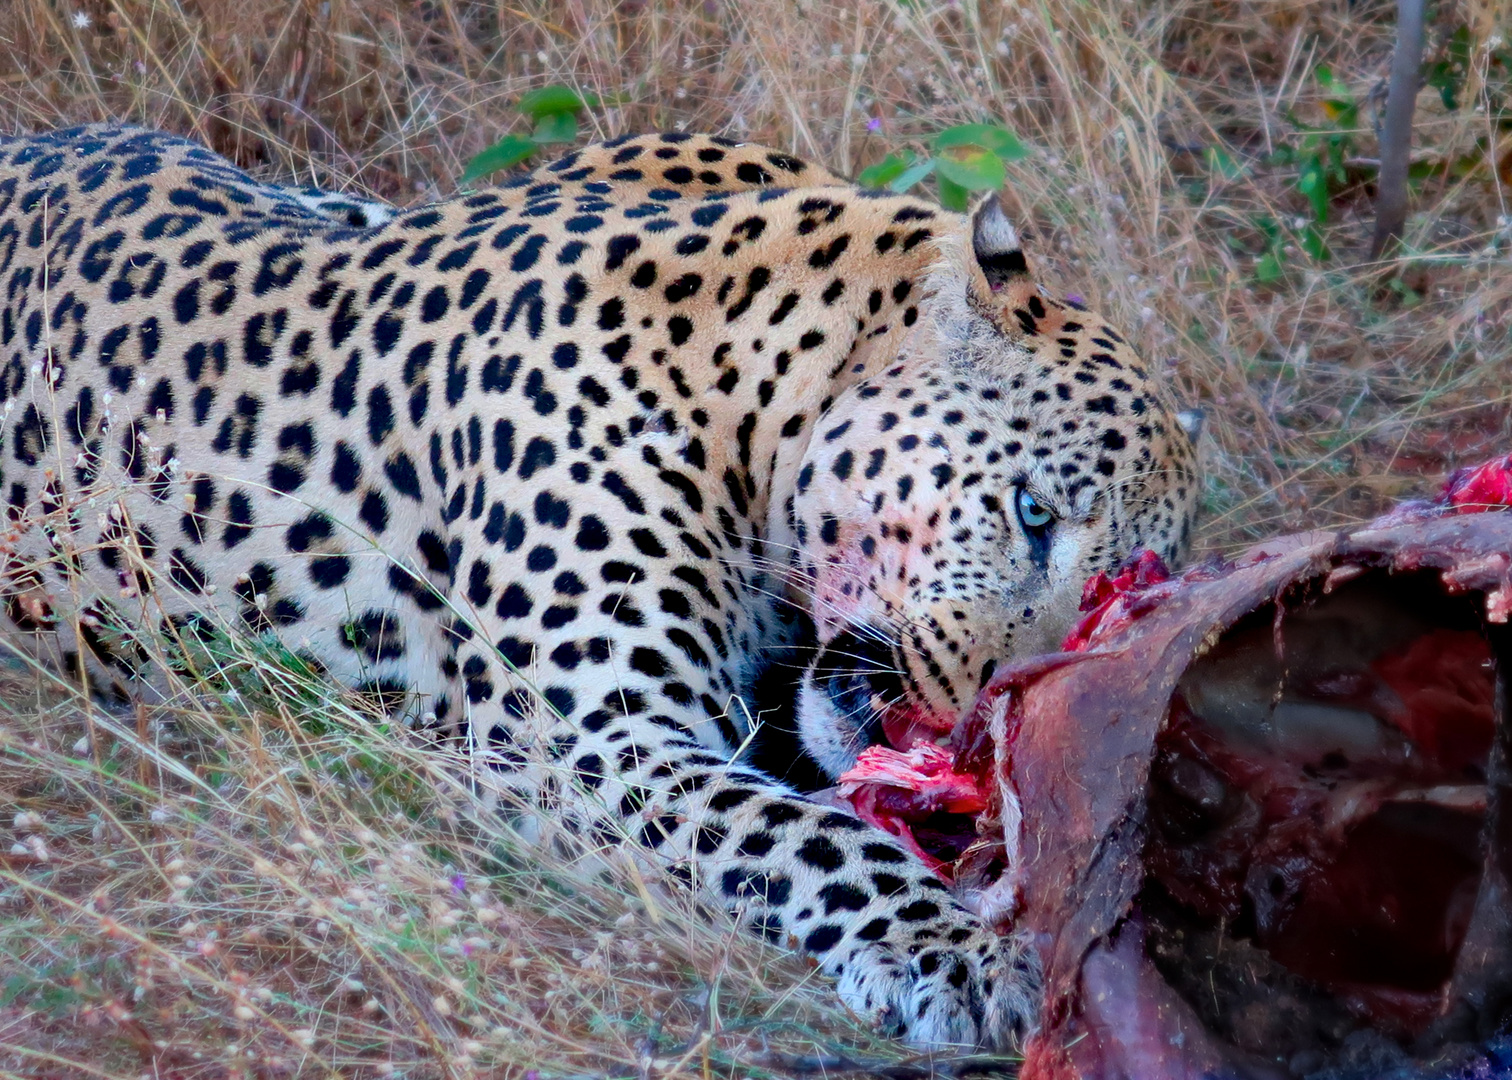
(995, 245)
(1000, 284)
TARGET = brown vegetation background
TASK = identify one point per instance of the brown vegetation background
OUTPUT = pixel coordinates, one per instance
(189, 894)
(1326, 392)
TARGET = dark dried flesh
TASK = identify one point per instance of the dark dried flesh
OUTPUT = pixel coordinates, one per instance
(1258, 817)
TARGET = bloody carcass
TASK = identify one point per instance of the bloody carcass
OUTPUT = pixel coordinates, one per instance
(1258, 817)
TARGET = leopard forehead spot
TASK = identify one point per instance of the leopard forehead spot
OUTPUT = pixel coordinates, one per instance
(546, 464)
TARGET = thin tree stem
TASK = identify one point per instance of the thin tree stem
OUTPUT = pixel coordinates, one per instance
(1396, 136)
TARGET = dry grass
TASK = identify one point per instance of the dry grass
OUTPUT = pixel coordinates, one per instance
(224, 897)
(252, 882)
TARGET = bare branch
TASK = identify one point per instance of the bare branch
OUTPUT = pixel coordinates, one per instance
(1396, 137)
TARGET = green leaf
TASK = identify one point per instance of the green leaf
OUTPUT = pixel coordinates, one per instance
(1339, 105)
(549, 100)
(555, 128)
(1342, 113)
(1283, 156)
(1410, 296)
(1268, 269)
(1223, 164)
(911, 176)
(885, 171)
(1419, 171)
(504, 154)
(953, 196)
(1459, 47)
(1313, 243)
(999, 140)
(1312, 182)
(972, 167)
(1443, 78)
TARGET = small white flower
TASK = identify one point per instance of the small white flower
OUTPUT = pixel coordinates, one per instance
(81, 20)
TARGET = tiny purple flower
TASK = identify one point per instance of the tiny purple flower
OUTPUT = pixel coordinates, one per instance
(1073, 298)
(874, 124)
(532, 1075)
(467, 950)
(458, 884)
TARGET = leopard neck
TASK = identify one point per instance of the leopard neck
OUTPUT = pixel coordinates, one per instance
(829, 297)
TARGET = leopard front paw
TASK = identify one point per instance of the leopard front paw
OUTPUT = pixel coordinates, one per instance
(982, 992)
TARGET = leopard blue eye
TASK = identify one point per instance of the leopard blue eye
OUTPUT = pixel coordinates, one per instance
(1034, 515)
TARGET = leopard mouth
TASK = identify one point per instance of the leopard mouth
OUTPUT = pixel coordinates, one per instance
(859, 675)
(858, 693)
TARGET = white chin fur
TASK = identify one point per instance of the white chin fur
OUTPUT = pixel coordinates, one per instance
(829, 739)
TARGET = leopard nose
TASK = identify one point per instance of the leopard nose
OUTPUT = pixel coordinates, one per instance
(859, 672)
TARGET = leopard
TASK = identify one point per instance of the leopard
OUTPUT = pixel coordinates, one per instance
(547, 467)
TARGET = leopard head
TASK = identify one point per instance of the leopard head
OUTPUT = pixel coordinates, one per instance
(950, 509)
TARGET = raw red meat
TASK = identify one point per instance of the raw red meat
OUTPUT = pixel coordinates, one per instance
(1443, 682)
(1114, 601)
(1481, 487)
(909, 792)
